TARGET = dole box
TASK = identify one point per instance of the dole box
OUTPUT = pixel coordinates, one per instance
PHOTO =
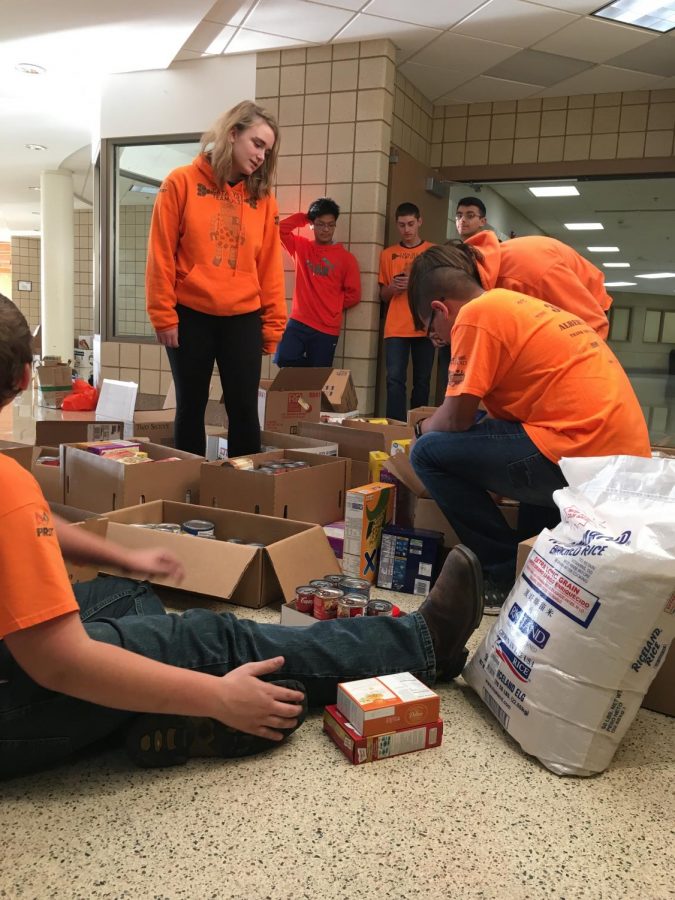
(388, 703)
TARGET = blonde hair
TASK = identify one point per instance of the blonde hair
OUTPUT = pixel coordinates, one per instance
(217, 146)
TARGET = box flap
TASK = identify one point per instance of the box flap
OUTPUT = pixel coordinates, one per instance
(339, 394)
(300, 379)
(117, 400)
(301, 557)
(401, 467)
(76, 426)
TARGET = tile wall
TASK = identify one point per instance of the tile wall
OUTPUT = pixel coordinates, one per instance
(413, 120)
(629, 125)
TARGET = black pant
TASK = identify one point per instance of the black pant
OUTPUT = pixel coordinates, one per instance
(235, 344)
(397, 352)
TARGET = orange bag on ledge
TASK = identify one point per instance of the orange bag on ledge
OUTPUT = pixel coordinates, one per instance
(83, 399)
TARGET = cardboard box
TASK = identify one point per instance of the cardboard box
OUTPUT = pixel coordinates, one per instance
(355, 441)
(49, 477)
(117, 402)
(24, 454)
(247, 576)
(387, 703)
(292, 397)
(73, 427)
(216, 444)
(661, 694)
(367, 510)
(99, 484)
(359, 749)
(54, 382)
(408, 559)
(85, 571)
(338, 393)
(313, 494)
(420, 412)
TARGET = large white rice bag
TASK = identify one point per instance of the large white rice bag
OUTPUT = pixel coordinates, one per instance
(589, 621)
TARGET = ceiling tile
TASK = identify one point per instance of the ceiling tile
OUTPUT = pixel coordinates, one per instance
(580, 7)
(246, 41)
(203, 35)
(353, 5)
(408, 38)
(593, 39)
(431, 80)
(486, 88)
(462, 52)
(603, 79)
(657, 57)
(229, 12)
(513, 22)
(437, 13)
(298, 20)
(532, 66)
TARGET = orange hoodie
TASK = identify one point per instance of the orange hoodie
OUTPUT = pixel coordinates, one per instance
(546, 268)
(216, 251)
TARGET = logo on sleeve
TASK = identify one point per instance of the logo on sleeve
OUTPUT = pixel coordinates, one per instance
(43, 524)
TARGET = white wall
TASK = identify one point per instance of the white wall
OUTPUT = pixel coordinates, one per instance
(185, 99)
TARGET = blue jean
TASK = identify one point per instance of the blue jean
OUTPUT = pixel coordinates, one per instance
(397, 352)
(39, 727)
(459, 468)
(301, 345)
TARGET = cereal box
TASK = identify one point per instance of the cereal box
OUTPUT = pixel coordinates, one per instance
(367, 510)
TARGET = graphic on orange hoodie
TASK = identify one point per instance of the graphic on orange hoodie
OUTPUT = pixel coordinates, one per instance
(214, 250)
(546, 268)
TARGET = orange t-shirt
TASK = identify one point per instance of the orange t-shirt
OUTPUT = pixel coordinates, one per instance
(531, 362)
(393, 261)
(34, 584)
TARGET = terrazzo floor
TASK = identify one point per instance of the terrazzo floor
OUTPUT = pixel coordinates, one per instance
(474, 818)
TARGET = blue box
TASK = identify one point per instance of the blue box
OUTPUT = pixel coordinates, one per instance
(409, 559)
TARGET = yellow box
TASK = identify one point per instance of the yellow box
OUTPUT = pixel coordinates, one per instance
(402, 446)
(376, 459)
(367, 510)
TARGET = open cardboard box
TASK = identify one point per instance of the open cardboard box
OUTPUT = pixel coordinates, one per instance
(50, 478)
(54, 381)
(216, 444)
(100, 484)
(293, 396)
(355, 440)
(661, 694)
(339, 394)
(313, 494)
(24, 454)
(70, 427)
(296, 552)
(117, 402)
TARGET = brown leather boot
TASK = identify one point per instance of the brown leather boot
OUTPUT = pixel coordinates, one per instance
(454, 608)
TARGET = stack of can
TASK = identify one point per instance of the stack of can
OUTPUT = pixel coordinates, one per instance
(281, 467)
(339, 597)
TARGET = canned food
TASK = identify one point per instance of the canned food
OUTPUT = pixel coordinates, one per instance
(380, 608)
(335, 580)
(200, 527)
(235, 541)
(326, 603)
(321, 583)
(265, 470)
(256, 544)
(304, 599)
(168, 528)
(351, 605)
(355, 586)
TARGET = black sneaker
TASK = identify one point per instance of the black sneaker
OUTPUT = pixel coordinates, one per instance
(495, 596)
(155, 741)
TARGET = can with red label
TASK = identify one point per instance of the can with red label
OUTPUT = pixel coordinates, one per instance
(304, 599)
(326, 602)
(351, 605)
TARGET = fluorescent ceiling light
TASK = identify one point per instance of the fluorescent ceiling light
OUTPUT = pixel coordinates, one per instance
(584, 226)
(655, 15)
(616, 265)
(658, 275)
(603, 249)
(620, 283)
(561, 190)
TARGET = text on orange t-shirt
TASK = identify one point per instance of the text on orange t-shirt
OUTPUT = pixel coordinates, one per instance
(533, 363)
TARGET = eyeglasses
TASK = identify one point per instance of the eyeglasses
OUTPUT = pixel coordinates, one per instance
(327, 225)
(470, 216)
